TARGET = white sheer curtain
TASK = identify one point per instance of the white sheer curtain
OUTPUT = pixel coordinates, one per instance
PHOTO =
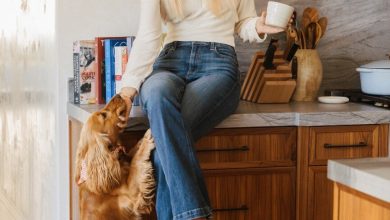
(28, 100)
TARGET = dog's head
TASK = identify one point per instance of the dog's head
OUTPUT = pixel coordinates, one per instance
(97, 148)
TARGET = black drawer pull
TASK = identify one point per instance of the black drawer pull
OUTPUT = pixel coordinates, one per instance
(242, 208)
(209, 149)
(361, 144)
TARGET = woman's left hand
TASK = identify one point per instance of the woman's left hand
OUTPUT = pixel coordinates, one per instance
(262, 28)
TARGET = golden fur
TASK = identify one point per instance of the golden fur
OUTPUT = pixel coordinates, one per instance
(115, 188)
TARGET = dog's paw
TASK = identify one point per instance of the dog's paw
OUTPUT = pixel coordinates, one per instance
(148, 136)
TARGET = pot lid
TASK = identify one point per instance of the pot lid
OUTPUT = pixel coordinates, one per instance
(380, 64)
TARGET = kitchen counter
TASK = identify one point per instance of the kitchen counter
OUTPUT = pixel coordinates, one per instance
(266, 115)
(369, 175)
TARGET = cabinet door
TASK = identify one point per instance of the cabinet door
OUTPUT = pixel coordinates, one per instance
(245, 148)
(250, 194)
(337, 142)
(320, 194)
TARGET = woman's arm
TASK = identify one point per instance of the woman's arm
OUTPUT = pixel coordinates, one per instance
(143, 53)
(250, 27)
(145, 47)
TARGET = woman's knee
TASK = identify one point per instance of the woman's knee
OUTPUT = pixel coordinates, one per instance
(160, 87)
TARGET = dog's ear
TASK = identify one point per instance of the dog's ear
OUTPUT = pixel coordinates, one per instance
(103, 169)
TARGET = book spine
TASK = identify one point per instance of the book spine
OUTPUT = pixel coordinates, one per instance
(120, 66)
(87, 77)
(99, 46)
(107, 54)
(76, 72)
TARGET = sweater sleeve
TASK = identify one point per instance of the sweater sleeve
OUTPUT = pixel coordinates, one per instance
(246, 25)
(146, 45)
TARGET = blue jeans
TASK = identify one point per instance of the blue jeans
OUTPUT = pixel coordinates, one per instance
(193, 87)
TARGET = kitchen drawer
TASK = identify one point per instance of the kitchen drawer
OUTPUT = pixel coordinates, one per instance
(259, 193)
(248, 147)
(336, 142)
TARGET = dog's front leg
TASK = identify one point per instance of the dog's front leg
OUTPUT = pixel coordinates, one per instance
(141, 182)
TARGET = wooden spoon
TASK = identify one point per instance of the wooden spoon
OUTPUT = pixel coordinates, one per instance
(311, 13)
(317, 34)
(310, 35)
(323, 22)
(305, 22)
(302, 39)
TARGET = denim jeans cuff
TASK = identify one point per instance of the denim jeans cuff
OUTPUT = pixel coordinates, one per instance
(195, 213)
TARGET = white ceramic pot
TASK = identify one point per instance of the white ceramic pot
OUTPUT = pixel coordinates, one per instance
(375, 77)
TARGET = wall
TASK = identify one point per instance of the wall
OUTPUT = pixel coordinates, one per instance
(85, 20)
(28, 101)
(358, 33)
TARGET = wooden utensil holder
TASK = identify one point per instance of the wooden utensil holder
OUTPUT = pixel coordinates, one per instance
(309, 75)
(268, 86)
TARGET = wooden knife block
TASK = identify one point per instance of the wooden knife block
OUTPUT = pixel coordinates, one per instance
(268, 86)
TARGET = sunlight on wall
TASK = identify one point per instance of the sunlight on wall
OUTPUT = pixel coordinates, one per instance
(28, 94)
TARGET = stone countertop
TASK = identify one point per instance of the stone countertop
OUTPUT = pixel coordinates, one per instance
(266, 115)
(368, 175)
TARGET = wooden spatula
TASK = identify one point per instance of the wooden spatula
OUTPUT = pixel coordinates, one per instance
(317, 34)
(323, 22)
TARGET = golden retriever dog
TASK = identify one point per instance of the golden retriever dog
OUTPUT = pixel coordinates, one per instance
(114, 182)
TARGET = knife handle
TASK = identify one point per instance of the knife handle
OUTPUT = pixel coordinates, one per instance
(269, 54)
(294, 68)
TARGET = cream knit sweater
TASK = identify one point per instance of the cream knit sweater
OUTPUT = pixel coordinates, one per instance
(198, 24)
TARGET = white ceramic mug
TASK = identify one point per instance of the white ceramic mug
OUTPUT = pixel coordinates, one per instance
(278, 14)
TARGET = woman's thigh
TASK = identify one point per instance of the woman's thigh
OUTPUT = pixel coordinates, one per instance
(207, 101)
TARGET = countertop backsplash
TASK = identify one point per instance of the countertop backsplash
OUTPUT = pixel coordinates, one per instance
(358, 32)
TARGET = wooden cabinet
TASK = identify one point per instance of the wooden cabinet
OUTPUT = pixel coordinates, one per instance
(266, 173)
(318, 144)
(255, 193)
(343, 142)
(248, 147)
(352, 204)
(250, 173)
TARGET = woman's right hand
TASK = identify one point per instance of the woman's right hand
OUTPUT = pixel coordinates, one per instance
(127, 94)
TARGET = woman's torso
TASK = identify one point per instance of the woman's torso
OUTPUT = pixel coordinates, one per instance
(200, 24)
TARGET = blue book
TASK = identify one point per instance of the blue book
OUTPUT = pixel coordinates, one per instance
(109, 55)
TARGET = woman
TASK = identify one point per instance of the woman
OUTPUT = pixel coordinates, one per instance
(187, 88)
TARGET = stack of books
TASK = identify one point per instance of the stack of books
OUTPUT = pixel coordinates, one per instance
(98, 66)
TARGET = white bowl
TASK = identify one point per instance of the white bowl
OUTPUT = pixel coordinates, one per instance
(278, 14)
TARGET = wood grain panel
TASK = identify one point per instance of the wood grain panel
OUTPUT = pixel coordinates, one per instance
(302, 172)
(352, 204)
(254, 147)
(344, 142)
(74, 136)
(266, 193)
(320, 194)
(314, 190)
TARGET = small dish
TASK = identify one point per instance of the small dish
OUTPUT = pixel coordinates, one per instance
(333, 99)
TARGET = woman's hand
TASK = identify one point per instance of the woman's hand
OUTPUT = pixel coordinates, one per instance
(262, 28)
(127, 94)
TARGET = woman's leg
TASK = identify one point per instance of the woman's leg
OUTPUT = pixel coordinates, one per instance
(207, 102)
(178, 173)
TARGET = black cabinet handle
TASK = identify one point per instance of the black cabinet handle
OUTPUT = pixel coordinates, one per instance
(210, 149)
(361, 144)
(242, 208)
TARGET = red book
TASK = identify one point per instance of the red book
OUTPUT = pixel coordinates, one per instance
(101, 88)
